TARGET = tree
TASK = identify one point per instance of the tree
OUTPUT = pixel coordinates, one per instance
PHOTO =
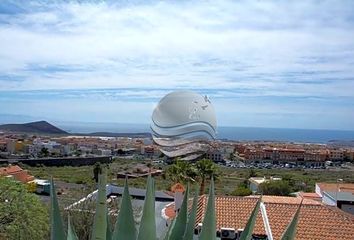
(277, 188)
(44, 152)
(205, 170)
(181, 171)
(96, 171)
(251, 173)
(242, 190)
(22, 215)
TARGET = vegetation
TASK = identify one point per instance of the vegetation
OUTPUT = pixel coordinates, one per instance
(277, 188)
(206, 169)
(44, 152)
(298, 179)
(181, 226)
(182, 171)
(242, 190)
(22, 215)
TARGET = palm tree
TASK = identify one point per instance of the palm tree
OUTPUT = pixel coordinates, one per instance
(205, 170)
(181, 171)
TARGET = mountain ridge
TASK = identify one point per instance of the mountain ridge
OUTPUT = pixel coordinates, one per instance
(33, 127)
(43, 127)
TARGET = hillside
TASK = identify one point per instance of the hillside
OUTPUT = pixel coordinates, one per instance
(33, 127)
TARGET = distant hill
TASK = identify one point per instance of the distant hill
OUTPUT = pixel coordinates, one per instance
(33, 127)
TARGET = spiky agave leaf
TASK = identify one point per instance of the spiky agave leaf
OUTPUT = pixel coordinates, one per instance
(99, 230)
(181, 219)
(56, 229)
(247, 232)
(147, 230)
(290, 231)
(125, 225)
(209, 222)
(188, 234)
(109, 229)
(168, 232)
(71, 232)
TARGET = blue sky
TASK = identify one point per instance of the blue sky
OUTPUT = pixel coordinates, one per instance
(287, 64)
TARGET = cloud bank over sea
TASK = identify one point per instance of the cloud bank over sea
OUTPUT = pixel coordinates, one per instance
(263, 63)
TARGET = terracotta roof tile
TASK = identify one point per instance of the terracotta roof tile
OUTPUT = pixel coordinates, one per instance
(9, 170)
(313, 196)
(18, 173)
(317, 221)
(332, 187)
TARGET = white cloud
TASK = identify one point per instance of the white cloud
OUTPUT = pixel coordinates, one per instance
(231, 49)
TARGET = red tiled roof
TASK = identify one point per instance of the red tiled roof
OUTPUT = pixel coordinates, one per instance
(4, 171)
(311, 195)
(332, 187)
(18, 173)
(317, 221)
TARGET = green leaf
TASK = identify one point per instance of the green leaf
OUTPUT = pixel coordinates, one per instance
(188, 234)
(147, 230)
(290, 231)
(209, 222)
(125, 225)
(181, 219)
(56, 230)
(99, 230)
(168, 233)
(71, 232)
(248, 230)
(109, 230)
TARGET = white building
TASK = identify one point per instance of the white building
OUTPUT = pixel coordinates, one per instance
(254, 182)
(337, 194)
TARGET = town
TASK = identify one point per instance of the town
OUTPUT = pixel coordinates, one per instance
(246, 169)
(176, 120)
(241, 154)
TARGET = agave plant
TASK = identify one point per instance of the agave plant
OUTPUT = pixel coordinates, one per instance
(182, 227)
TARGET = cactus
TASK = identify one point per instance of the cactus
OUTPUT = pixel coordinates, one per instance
(147, 230)
(99, 230)
(247, 232)
(209, 222)
(290, 231)
(125, 225)
(71, 232)
(182, 227)
(56, 223)
(188, 234)
(181, 219)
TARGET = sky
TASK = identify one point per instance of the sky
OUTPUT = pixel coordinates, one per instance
(283, 64)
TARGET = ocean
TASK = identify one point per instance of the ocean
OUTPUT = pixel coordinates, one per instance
(230, 133)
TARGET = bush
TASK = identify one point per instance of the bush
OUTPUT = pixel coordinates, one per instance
(242, 191)
(22, 215)
(277, 188)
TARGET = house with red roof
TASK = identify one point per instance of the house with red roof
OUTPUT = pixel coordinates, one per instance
(17, 173)
(317, 221)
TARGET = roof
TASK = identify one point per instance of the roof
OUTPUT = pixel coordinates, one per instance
(18, 173)
(4, 171)
(310, 195)
(341, 196)
(317, 221)
(333, 187)
(139, 193)
(259, 180)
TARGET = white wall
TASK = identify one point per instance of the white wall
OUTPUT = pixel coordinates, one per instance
(328, 200)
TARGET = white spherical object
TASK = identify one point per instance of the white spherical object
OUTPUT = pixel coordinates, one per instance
(184, 113)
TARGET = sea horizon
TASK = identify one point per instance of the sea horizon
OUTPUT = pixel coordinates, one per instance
(234, 133)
